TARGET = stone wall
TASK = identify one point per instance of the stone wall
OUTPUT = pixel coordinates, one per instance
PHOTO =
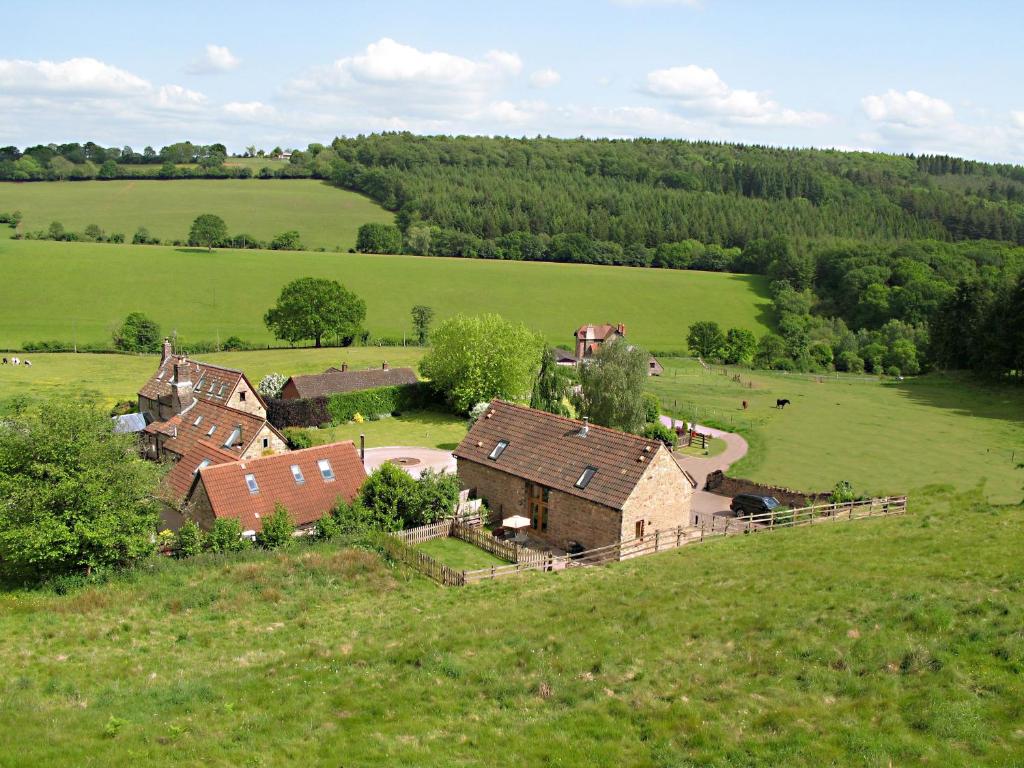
(242, 398)
(256, 448)
(717, 482)
(662, 498)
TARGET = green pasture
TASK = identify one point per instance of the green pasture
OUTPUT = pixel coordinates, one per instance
(81, 290)
(429, 429)
(885, 437)
(325, 216)
(884, 642)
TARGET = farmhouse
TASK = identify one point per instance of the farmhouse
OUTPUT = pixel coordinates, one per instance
(589, 339)
(186, 402)
(307, 483)
(577, 484)
(337, 380)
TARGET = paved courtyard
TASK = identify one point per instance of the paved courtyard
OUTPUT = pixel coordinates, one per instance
(410, 458)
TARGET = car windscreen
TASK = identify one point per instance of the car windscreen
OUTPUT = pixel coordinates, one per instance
(771, 502)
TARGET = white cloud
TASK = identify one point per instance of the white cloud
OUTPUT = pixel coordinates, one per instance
(250, 110)
(699, 90)
(75, 76)
(545, 78)
(178, 98)
(214, 60)
(911, 109)
(1017, 116)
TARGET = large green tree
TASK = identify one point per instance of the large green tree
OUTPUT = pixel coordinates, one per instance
(422, 316)
(706, 339)
(612, 386)
(379, 238)
(208, 229)
(481, 357)
(74, 496)
(553, 386)
(137, 333)
(314, 307)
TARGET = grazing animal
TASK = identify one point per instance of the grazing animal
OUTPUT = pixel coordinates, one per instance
(4, 362)
(28, 363)
(15, 361)
(781, 403)
(745, 405)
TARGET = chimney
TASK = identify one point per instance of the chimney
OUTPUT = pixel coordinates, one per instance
(384, 365)
(586, 426)
(181, 388)
(344, 367)
(168, 350)
(621, 329)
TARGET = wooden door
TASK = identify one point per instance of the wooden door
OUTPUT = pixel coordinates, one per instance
(538, 497)
(639, 528)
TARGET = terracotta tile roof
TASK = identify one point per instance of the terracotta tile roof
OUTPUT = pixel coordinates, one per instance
(306, 502)
(550, 450)
(596, 332)
(179, 479)
(184, 433)
(212, 383)
(333, 382)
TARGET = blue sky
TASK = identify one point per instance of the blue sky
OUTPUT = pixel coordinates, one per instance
(895, 76)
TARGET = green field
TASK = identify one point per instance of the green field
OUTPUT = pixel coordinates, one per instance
(429, 429)
(883, 437)
(65, 290)
(887, 642)
(325, 216)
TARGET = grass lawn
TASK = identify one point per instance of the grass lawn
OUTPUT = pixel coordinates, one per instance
(716, 445)
(890, 437)
(428, 429)
(119, 377)
(81, 290)
(887, 642)
(458, 554)
(325, 216)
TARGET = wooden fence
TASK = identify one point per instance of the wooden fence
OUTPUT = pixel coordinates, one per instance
(422, 562)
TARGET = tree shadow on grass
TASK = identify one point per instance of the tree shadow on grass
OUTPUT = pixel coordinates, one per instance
(192, 250)
(967, 395)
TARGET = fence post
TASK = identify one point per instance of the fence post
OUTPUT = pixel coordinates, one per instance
(657, 536)
(702, 528)
(679, 536)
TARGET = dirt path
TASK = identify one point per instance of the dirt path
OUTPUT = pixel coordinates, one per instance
(735, 449)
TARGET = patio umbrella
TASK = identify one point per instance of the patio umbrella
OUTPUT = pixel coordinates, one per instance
(516, 521)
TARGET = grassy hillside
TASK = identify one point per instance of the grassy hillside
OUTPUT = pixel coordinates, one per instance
(875, 643)
(324, 216)
(884, 438)
(52, 290)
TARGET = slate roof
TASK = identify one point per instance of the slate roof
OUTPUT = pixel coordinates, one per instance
(212, 383)
(550, 450)
(334, 381)
(306, 502)
(184, 433)
(563, 355)
(181, 475)
(129, 423)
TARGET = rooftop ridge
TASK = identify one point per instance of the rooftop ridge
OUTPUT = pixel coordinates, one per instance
(579, 422)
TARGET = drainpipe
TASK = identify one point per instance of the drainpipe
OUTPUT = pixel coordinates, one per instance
(362, 449)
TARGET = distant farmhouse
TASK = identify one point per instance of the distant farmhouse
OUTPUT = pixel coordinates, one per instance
(589, 339)
(579, 485)
(334, 381)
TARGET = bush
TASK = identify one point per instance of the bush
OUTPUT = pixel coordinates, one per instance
(137, 333)
(270, 385)
(893, 371)
(298, 438)
(438, 494)
(379, 238)
(286, 241)
(278, 529)
(226, 536)
(233, 344)
(391, 495)
(652, 406)
(658, 431)
(477, 411)
(189, 541)
(843, 492)
(379, 401)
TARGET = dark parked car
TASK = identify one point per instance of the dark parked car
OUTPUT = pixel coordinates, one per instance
(751, 504)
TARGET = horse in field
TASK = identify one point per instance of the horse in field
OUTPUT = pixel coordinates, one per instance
(782, 403)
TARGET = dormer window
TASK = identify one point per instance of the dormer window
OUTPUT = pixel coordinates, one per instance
(250, 481)
(297, 474)
(586, 477)
(325, 470)
(498, 450)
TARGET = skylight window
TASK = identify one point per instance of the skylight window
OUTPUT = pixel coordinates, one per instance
(212, 430)
(234, 437)
(586, 477)
(220, 392)
(202, 465)
(325, 469)
(498, 450)
(198, 421)
(297, 474)
(250, 480)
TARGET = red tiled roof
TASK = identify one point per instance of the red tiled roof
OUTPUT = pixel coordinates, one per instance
(333, 382)
(550, 450)
(599, 332)
(179, 479)
(184, 433)
(306, 502)
(212, 383)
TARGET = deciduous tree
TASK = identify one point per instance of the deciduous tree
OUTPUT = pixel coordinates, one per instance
(208, 229)
(613, 386)
(313, 307)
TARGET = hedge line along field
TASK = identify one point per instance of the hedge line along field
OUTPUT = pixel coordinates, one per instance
(326, 217)
(885, 642)
(885, 438)
(81, 290)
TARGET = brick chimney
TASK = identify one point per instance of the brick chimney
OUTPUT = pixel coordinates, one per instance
(344, 367)
(181, 388)
(167, 351)
(621, 329)
(384, 365)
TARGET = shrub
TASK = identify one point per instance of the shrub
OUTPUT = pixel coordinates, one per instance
(278, 529)
(391, 495)
(189, 541)
(270, 385)
(379, 401)
(843, 492)
(286, 241)
(892, 370)
(137, 333)
(233, 344)
(658, 431)
(226, 536)
(298, 438)
(438, 493)
(379, 238)
(652, 406)
(477, 411)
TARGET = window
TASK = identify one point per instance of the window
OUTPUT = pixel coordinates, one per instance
(241, 397)
(212, 430)
(498, 450)
(220, 392)
(586, 477)
(198, 421)
(250, 480)
(266, 442)
(234, 437)
(297, 474)
(325, 469)
(538, 497)
(202, 464)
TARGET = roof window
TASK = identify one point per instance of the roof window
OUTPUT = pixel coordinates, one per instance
(297, 474)
(325, 470)
(198, 421)
(250, 480)
(586, 477)
(498, 450)
(202, 465)
(234, 437)
(212, 430)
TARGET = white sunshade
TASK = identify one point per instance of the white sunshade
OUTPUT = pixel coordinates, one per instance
(516, 521)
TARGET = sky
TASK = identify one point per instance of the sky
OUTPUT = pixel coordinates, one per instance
(905, 76)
